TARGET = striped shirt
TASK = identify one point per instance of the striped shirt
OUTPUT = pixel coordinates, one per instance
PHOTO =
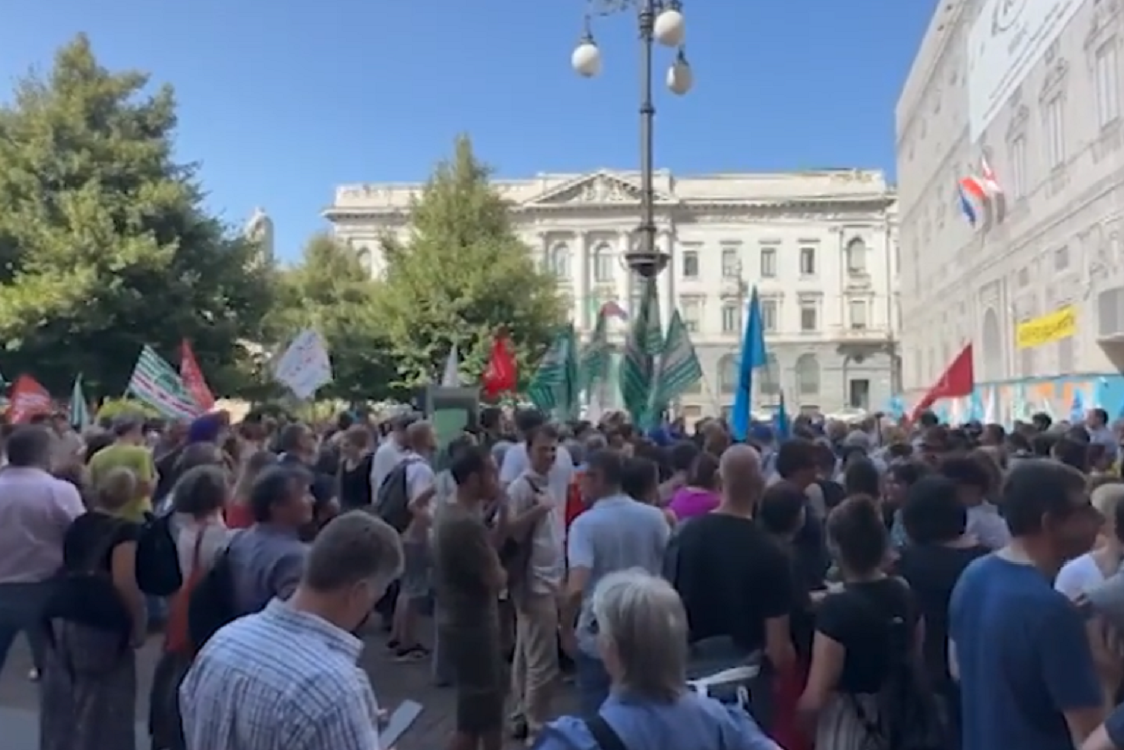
(279, 679)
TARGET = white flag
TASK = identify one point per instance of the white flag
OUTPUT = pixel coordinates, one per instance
(305, 366)
(451, 378)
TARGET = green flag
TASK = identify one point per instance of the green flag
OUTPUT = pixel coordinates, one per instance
(644, 343)
(679, 367)
(554, 388)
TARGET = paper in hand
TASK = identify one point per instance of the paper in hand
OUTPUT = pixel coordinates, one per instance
(399, 723)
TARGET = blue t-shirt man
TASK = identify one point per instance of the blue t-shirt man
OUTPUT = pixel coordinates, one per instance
(1022, 655)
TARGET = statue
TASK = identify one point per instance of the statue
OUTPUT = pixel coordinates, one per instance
(259, 230)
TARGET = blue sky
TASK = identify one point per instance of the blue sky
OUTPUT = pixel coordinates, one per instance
(281, 101)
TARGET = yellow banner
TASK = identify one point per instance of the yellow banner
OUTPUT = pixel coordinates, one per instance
(1046, 329)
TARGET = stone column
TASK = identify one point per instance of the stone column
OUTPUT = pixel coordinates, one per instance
(580, 280)
(667, 277)
(622, 274)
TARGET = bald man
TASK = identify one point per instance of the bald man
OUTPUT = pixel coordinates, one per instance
(736, 583)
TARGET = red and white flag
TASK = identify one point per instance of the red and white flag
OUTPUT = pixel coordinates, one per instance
(990, 182)
(193, 379)
(27, 400)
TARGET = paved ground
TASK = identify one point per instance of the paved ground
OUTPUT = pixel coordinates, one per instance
(393, 683)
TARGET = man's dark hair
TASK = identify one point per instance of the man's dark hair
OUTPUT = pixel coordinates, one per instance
(682, 455)
(467, 462)
(545, 430)
(1072, 453)
(795, 456)
(608, 464)
(490, 417)
(30, 446)
(928, 419)
(861, 477)
(1042, 421)
(291, 436)
(932, 512)
(1034, 488)
(1101, 415)
(779, 510)
(126, 424)
(200, 491)
(528, 419)
(966, 471)
(640, 477)
(275, 485)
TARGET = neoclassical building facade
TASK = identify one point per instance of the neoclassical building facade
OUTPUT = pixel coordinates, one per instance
(819, 246)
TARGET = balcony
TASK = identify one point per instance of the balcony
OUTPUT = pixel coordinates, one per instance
(856, 334)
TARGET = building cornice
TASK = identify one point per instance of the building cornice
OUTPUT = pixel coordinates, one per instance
(869, 208)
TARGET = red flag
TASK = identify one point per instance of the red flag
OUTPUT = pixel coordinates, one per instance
(28, 399)
(958, 380)
(192, 378)
(500, 374)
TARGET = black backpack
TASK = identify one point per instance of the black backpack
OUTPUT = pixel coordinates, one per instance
(86, 595)
(211, 604)
(158, 560)
(392, 504)
(909, 717)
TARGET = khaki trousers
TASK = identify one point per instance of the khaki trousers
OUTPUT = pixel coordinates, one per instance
(534, 670)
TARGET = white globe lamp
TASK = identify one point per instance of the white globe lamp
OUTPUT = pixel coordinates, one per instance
(586, 59)
(679, 76)
(670, 27)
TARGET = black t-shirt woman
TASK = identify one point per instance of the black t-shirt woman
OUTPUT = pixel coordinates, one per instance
(865, 631)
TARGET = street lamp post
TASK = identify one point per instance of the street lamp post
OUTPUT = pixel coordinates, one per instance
(659, 21)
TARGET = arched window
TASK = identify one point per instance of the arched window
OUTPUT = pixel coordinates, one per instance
(770, 377)
(807, 375)
(559, 261)
(728, 375)
(603, 263)
(856, 256)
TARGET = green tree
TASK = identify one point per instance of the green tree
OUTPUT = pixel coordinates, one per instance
(104, 243)
(461, 274)
(332, 291)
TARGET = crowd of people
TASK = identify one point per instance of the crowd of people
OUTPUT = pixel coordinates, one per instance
(853, 586)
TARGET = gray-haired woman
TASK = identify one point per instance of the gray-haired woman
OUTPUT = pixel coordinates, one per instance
(642, 639)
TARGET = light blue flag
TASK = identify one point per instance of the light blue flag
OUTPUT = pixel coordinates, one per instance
(896, 408)
(752, 356)
(1077, 407)
(782, 427)
(976, 407)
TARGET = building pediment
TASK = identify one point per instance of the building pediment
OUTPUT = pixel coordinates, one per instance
(600, 188)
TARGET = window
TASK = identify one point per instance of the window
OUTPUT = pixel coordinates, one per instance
(858, 314)
(1107, 77)
(769, 315)
(1061, 259)
(1018, 166)
(768, 262)
(856, 257)
(858, 395)
(559, 261)
(809, 315)
(691, 308)
(1055, 133)
(603, 263)
(728, 375)
(690, 264)
(807, 261)
(808, 375)
(731, 317)
(731, 265)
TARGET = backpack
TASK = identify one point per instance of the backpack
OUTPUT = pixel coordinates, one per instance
(158, 560)
(392, 503)
(86, 595)
(210, 604)
(909, 717)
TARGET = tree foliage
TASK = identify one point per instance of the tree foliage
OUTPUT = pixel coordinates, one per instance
(331, 291)
(104, 244)
(461, 274)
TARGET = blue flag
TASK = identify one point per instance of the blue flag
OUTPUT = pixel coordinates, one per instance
(1077, 407)
(753, 355)
(782, 427)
